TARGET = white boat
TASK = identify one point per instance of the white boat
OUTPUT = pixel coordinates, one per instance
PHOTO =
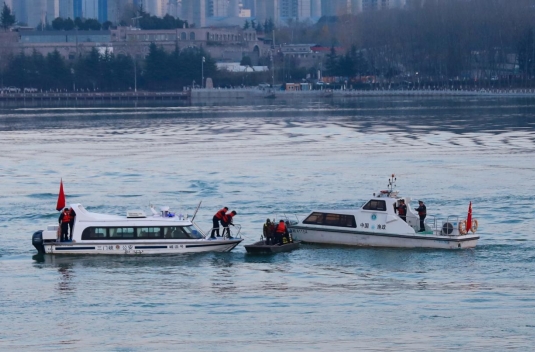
(135, 233)
(377, 224)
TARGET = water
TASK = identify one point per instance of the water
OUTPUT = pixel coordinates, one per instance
(281, 157)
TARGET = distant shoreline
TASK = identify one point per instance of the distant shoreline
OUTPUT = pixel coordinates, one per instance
(203, 96)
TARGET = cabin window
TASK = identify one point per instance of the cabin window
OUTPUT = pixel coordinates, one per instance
(148, 232)
(331, 219)
(121, 232)
(94, 233)
(113, 233)
(379, 205)
(314, 218)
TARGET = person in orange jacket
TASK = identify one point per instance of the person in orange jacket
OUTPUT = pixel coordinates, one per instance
(64, 220)
(280, 231)
(227, 220)
(218, 217)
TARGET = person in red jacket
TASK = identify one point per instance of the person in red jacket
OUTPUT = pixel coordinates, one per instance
(280, 231)
(64, 219)
(227, 220)
(215, 221)
(402, 210)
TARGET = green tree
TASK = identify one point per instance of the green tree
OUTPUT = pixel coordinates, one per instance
(156, 70)
(332, 62)
(6, 17)
(246, 61)
(246, 25)
(58, 24)
(68, 24)
(59, 74)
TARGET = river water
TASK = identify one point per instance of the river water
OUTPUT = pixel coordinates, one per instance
(261, 160)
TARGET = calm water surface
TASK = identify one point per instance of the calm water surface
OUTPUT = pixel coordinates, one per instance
(263, 160)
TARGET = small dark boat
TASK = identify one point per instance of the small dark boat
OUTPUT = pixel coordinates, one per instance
(262, 247)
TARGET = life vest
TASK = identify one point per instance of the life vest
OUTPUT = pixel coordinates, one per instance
(281, 227)
(66, 216)
(220, 214)
(402, 210)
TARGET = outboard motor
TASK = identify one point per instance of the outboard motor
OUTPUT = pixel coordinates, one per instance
(37, 241)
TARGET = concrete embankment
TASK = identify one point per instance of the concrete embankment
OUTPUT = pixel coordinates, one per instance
(200, 96)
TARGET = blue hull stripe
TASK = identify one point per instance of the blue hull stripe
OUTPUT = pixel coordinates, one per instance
(73, 248)
(149, 247)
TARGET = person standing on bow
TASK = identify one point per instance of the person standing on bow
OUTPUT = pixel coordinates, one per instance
(402, 210)
(227, 220)
(64, 219)
(422, 212)
(218, 217)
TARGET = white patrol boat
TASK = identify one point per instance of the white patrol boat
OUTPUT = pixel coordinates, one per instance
(377, 224)
(135, 233)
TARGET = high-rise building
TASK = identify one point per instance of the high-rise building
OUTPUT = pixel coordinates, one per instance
(19, 9)
(102, 11)
(336, 7)
(250, 5)
(77, 8)
(217, 8)
(155, 7)
(116, 8)
(315, 8)
(233, 8)
(52, 10)
(268, 9)
(194, 11)
(90, 8)
(36, 12)
(296, 9)
(66, 8)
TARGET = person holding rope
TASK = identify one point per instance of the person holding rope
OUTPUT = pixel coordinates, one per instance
(227, 220)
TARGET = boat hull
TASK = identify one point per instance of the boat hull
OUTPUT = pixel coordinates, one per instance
(260, 247)
(367, 239)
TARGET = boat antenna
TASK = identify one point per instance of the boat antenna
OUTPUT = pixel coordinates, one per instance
(196, 210)
(391, 183)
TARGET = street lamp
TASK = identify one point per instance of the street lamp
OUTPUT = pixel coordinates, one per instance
(202, 71)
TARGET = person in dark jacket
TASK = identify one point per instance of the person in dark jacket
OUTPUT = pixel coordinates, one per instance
(422, 212)
(218, 217)
(227, 220)
(269, 229)
(402, 210)
(71, 222)
(64, 219)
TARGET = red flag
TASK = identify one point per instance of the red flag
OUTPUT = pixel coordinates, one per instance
(61, 197)
(469, 218)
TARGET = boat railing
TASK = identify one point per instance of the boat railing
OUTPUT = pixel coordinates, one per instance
(432, 222)
(234, 231)
(441, 227)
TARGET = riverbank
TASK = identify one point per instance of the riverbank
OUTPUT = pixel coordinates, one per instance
(235, 95)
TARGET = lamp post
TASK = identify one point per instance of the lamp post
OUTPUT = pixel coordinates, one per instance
(202, 71)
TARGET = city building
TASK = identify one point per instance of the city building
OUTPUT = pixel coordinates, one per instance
(295, 9)
(102, 10)
(66, 8)
(194, 11)
(268, 10)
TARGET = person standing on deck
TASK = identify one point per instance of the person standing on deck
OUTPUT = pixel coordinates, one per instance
(281, 231)
(64, 219)
(227, 220)
(215, 221)
(269, 229)
(402, 210)
(422, 212)
(71, 222)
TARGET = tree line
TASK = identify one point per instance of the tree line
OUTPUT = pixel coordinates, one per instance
(159, 70)
(439, 41)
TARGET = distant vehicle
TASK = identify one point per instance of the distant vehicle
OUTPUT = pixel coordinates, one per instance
(30, 90)
(264, 85)
(13, 90)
